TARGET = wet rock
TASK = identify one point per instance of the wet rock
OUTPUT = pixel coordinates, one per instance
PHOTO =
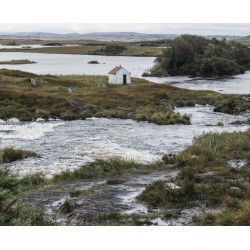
(245, 98)
(237, 123)
(13, 121)
(33, 82)
(71, 90)
(76, 104)
(40, 120)
(237, 163)
(234, 190)
(115, 182)
(69, 206)
(245, 113)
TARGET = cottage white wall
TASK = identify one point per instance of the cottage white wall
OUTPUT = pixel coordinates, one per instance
(118, 77)
(112, 79)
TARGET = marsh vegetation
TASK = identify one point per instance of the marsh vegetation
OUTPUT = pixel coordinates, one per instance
(94, 97)
(207, 178)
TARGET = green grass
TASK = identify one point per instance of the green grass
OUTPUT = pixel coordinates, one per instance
(10, 154)
(209, 154)
(13, 212)
(94, 97)
(107, 168)
(206, 178)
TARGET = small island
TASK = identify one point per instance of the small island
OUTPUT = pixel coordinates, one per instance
(197, 56)
(93, 62)
(52, 44)
(17, 62)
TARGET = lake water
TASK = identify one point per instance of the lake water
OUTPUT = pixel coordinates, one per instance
(78, 65)
(239, 84)
(32, 46)
(67, 145)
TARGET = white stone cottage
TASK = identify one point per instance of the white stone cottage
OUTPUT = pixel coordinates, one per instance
(119, 75)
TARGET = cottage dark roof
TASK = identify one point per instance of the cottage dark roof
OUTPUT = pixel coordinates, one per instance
(115, 70)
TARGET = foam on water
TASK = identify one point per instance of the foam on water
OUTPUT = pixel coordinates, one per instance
(27, 131)
(67, 145)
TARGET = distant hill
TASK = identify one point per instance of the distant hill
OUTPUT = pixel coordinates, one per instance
(102, 36)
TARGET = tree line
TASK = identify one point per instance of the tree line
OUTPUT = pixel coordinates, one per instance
(198, 56)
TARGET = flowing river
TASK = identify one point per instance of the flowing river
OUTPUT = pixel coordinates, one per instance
(66, 145)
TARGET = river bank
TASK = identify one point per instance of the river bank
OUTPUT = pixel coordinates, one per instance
(206, 184)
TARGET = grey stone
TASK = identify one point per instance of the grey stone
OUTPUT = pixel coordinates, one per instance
(71, 90)
(194, 157)
(115, 182)
(40, 120)
(237, 163)
(245, 113)
(204, 175)
(245, 98)
(234, 190)
(172, 186)
(69, 206)
(33, 82)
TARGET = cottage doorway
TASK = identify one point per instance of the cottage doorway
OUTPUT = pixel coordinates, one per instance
(124, 79)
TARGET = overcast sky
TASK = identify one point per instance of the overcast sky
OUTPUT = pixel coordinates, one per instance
(174, 28)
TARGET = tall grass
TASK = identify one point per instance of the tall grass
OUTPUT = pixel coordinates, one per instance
(10, 154)
(205, 178)
(13, 212)
(107, 168)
